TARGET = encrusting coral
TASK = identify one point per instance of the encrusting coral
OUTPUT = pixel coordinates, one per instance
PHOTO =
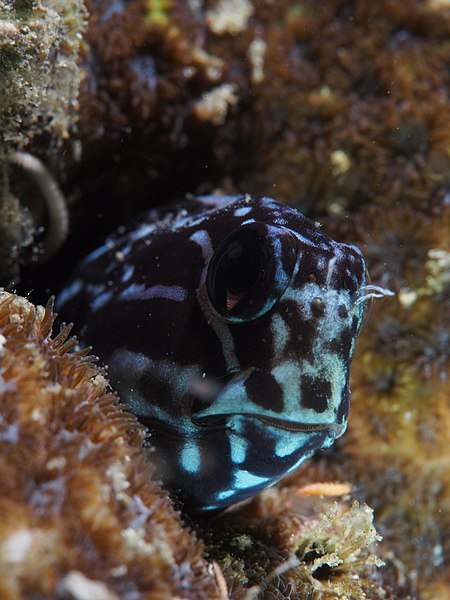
(39, 82)
(40, 76)
(331, 105)
(80, 513)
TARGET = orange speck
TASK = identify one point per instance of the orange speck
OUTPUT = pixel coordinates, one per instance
(324, 489)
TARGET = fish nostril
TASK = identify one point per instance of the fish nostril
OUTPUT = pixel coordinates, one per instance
(342, 311)
(317, 307)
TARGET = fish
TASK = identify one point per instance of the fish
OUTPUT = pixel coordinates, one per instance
(228, 325)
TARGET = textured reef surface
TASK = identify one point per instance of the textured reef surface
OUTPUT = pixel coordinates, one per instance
(339, 108)
(81, 513)
(39, 83)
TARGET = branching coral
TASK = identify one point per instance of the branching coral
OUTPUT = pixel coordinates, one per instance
(80, 515)
(282, 548)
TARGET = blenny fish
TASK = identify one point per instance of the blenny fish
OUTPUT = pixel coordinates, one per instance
(228, 325)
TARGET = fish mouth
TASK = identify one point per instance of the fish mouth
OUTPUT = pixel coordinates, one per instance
(284, 424)
(295, 427)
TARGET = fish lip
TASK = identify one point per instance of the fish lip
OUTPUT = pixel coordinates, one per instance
(284, 424)
(295, 426)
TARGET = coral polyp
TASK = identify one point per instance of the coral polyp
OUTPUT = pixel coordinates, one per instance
(79, 507)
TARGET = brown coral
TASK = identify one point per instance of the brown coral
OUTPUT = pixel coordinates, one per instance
(282, 547)
(366, 82)
(81, 515)
(39, 80)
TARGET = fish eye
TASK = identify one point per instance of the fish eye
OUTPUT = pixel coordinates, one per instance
(249, 272)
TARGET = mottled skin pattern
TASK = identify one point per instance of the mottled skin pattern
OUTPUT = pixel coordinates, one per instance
(228, 325)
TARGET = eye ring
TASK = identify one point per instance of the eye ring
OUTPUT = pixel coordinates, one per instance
(249, 271)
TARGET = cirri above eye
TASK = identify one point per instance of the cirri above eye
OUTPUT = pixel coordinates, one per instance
(249, 271)
(234, 357)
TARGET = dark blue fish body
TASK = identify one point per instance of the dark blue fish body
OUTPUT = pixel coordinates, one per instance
(228, 325)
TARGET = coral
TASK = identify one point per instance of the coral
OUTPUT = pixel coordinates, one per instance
(16, 233)
(81, 515)
(333, 108)
(39, 80)
(40, 76)
(334, 105)
(396, 449)
(229, 16)
(283, 547)
(146, 76)
(348, 78)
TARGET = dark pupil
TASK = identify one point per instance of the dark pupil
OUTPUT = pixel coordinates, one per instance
(241, 270)
(238, 271)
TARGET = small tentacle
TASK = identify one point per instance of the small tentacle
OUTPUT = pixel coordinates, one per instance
(220, 580)
(58, 215)
(372, 291)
